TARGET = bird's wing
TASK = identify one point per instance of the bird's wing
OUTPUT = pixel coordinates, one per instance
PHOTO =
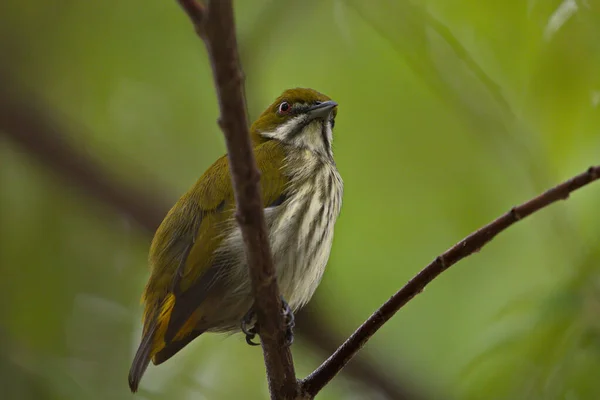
(182, 251)
(201, 269)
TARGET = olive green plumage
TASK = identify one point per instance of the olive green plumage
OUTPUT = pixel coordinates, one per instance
(199, 280)
(270, 118)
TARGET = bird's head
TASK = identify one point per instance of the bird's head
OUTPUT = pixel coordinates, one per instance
(299, 117)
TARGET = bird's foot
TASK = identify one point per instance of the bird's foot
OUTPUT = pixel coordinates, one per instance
(290, 322)
(250, 327)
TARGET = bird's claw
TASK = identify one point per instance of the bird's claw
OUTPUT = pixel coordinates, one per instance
(249, 331)
(290, 322)
(249, 325)
(249, 339)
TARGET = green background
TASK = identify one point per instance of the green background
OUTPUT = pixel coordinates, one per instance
(451, 112)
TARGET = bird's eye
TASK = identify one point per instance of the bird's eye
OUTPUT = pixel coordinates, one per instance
(284, 108)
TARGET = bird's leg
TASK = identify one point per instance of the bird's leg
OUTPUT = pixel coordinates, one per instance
(249, 324)
(290, 322)
(250, 327)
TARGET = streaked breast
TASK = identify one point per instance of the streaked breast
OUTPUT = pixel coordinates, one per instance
(301, 228)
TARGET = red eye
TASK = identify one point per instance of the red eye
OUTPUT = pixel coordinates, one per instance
(284, 107)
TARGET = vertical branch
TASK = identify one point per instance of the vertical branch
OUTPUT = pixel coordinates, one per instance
(215, 24)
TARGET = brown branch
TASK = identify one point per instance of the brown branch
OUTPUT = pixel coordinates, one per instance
(215, 24)
(469, 245)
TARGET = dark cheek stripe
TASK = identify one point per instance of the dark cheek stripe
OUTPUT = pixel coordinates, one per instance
(297, 130)
(325, 138)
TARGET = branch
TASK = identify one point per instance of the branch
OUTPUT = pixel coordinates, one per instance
(469, 245)
(215, 24)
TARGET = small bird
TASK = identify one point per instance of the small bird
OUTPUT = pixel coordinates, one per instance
(200, 280)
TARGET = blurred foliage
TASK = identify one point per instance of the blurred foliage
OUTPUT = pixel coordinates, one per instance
(451, 111)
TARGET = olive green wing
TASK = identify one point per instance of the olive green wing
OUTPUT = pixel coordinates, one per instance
(190, 219)
(201, 269)
(181, 254)
(193, 217)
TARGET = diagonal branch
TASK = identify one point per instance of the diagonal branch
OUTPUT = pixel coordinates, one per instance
(214, 23)
(469, 245)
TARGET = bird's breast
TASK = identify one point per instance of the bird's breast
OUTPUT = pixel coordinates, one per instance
(301, 230)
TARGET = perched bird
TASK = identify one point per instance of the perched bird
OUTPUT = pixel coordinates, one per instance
(200, 280)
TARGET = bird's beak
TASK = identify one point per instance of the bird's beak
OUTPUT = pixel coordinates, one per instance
(321, 110)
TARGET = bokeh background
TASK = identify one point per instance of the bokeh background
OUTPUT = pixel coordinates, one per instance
(451, 112)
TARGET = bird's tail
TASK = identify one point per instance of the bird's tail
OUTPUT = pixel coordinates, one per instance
(142, 359)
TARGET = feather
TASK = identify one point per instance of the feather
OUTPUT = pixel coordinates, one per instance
(141, 359)
(184, 292)
(173, 347)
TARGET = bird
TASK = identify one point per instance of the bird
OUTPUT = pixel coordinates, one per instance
(199, 280)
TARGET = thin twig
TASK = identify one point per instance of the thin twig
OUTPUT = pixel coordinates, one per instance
(469, 245)
(215, 24)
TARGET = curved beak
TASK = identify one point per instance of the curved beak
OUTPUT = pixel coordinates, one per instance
(321, 110)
